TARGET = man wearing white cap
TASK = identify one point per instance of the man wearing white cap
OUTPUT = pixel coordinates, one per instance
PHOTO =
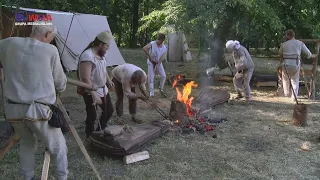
(244, 66)
(290, 52)
(93, 70)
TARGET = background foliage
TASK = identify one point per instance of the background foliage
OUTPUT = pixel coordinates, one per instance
(206, 23)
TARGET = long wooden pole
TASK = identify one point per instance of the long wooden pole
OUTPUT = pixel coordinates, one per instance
(45, 167)
(76, 136)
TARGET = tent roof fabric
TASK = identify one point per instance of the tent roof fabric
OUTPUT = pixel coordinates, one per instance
(83, 30)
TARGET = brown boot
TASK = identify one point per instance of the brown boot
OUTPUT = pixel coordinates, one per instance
(137, 120)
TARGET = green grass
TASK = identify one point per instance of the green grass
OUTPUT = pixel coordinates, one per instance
(255, 143)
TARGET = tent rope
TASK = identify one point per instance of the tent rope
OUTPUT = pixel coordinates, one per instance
(65, 42)
(83, 29)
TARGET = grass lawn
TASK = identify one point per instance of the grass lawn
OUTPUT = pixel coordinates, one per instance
(257, 142)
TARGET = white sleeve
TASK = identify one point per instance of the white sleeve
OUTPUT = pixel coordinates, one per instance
(60, 79)
(87, 57)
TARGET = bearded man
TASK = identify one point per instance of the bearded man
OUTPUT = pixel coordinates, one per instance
(93, 71)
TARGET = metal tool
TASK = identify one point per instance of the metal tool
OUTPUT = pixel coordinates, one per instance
(163, 114)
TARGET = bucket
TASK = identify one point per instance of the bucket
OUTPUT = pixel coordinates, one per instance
(300, 112)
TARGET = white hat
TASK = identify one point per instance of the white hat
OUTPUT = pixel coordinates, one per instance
(104, 36)
(231, 43)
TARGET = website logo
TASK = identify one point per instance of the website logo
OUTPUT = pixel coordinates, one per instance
(24, 18)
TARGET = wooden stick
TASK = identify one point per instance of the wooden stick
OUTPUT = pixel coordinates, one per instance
(79, 83)
(76, 136)
(45, 167)
(12, 141)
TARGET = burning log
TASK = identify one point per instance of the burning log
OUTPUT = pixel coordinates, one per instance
(178, 110)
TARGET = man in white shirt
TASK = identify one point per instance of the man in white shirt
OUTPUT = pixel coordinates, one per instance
(290, 52)
(156, 52)
(125, 78)
(33, 73)
(93, 70)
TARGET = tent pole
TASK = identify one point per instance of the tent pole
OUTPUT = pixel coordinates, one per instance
(65, 42)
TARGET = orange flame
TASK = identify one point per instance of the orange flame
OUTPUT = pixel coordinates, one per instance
(184, 96)
(175, 82)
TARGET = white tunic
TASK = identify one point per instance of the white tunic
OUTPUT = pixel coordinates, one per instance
(293, 48)
(33, 72)
(99, 71)
(157, 52)
(123, 74)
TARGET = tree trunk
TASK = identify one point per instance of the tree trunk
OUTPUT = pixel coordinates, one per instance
(135, 24)
(114, 21)
(146, 40)
(217, 44)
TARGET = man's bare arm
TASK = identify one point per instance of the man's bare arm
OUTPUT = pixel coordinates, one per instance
(143, 89)
(146, 49)
(85, 69)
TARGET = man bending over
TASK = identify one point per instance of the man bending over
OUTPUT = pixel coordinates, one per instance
(125, 78)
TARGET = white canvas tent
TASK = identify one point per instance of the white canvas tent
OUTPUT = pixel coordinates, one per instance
(178, 49)
(78, 30)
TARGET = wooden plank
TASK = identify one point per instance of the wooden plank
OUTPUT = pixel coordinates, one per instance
(132, 158)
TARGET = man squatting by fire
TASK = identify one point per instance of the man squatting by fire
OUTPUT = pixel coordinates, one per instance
(244, 66)
(93, 70)
(290, 52)
(156, 52)
(125, 78)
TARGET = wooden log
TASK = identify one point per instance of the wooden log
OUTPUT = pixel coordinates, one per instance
(178, 110)
(136, 157)
(300, 113)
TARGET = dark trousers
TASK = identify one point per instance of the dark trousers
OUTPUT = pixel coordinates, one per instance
(107, 111)
(119, 101)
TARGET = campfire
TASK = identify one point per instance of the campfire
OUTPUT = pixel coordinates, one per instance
(183, 113)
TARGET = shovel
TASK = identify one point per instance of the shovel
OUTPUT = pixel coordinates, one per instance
(300, 110)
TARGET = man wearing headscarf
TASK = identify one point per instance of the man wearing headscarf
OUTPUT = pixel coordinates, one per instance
(290, 52)
(244, 66)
